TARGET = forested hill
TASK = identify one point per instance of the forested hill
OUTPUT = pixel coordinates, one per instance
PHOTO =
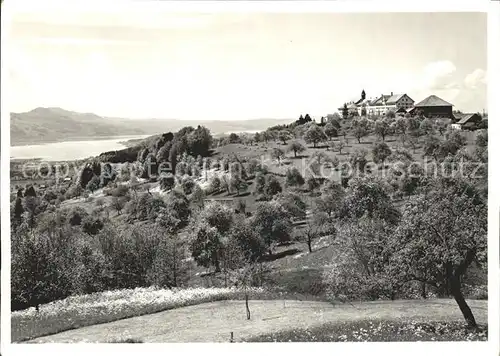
(55, 124)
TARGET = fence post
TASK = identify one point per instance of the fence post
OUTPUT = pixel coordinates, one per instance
(231, 340)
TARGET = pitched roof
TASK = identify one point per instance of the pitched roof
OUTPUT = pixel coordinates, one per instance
(380, 100)
(433, 100)
(463, 118)
(393, 99)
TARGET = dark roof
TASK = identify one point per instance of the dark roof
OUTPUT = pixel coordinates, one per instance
(433, 100)
(464, 118)
(393, 99)
(380, 100)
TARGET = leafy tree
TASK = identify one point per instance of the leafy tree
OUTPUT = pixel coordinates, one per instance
(400, 126)
(240, 206)
(237, 183)
(278, 154)
(92, 224)
(76, 216)
(178, 204)
(294, 178)
(358, 160)
(30, 192)
(455, 140)
(163, 153)
(93, 184)
(293, 204)
(272, 186)
(334, 120)
(247, 239)
(173, 155)
(482, 138)
(331, 199)
(382, 128)
(359, 270)
(413, 126)
(258, 137)
(187, 184)
(426, 127)
(36, 277)
(167, 182)
(260, 183)
(360, 128)
(296, 147)
(211, 235)
(118, 203)
(331, 131)
(441, 234)
(483, 124)
(18, 211)
(197, 197)
(413, 140)
(316, 227)
(390, 114)
(142, 155)
(380, 152)
(313, 183)
(340, 146)
(206, 248)
(272, 223)
(432, 147)
(199, 141)
(215, 184)
(345, 112)
(320, 157)
(284, 136)
(167, 269)
(368, 196)
(314, 134)
(440, 127)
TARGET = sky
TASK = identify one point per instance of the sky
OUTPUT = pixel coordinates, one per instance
(234, 66)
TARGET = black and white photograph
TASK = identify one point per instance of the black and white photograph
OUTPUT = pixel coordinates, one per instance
(247, 176)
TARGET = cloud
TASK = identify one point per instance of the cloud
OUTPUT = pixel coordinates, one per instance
(439, 75)
(475, 79)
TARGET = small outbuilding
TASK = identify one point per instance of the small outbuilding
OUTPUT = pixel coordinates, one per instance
(466, 121)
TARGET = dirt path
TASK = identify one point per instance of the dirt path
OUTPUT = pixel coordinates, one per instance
(213, 322)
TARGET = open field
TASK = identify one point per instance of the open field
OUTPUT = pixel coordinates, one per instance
(213, 322)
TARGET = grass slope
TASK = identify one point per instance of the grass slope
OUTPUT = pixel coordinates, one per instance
(213, 322)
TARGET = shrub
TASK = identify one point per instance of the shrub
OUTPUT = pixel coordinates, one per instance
(272, 186)
(187, 185)
(76, 216)
(215, 184)
(294, 178)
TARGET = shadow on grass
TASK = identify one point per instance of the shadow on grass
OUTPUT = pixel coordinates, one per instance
(300, 157)
(245, 194)
(275, 256)
(127, 341)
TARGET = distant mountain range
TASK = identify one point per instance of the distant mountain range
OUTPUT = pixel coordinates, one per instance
(43, 125)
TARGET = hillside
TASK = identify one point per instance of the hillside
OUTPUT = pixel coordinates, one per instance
(55, 124)
(214, 322)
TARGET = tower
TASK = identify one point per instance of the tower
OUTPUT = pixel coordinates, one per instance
(363, 95)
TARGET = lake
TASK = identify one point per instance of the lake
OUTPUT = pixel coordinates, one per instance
(70, 150)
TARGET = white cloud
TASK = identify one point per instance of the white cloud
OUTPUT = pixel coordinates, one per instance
(476, 78)
(439, 75)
